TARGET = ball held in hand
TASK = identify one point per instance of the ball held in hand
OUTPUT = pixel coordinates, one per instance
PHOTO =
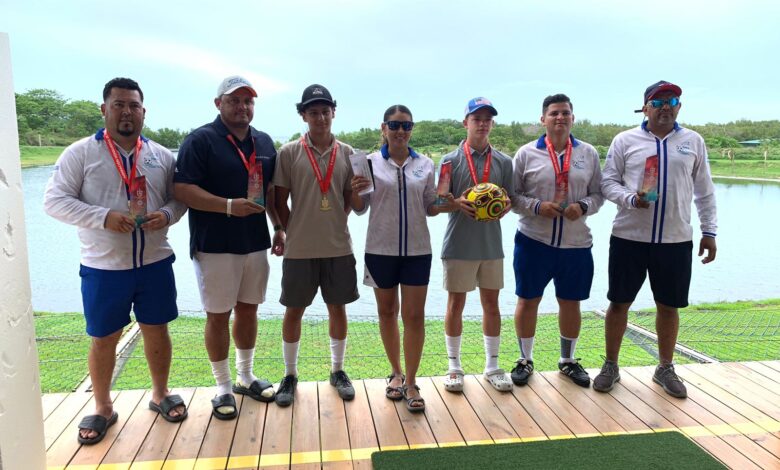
(489, 200)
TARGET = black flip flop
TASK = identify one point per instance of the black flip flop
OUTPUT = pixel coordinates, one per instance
(96, 423)
(255, 390)
(166, 405)
(224, 400)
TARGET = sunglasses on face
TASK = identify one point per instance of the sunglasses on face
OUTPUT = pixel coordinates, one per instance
(395, 125)
(657, 103)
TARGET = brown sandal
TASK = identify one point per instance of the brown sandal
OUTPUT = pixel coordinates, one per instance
(415, 405)
(395, 393)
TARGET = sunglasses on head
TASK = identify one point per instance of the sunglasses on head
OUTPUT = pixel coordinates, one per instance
(657, 103)
(395, 125)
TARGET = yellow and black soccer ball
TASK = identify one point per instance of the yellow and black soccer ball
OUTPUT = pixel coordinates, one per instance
(489, 200)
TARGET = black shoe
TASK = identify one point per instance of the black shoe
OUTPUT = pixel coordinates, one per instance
(522, 371)
(668, 379)
(575, 372)
(608, 377)
(342, 383)
(286, 393)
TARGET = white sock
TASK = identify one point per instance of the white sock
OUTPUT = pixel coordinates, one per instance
(290, 354)
(244, 360)
(221, 372)
(337, 349)
(527, 348)
(453, 351)
(492, 344)
(567, 349)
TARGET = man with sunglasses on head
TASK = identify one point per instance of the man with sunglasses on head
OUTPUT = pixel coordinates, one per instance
(472, 252)
(223, 174)
(315, 173)
(653, 172)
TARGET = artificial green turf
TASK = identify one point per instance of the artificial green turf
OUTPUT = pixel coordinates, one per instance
(636, 451)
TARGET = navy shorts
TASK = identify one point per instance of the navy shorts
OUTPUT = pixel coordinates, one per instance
(668, 264)
(536, 264)
(386, 272)
(108, 296)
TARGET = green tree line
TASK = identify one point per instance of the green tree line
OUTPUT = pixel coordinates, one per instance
(45, 117)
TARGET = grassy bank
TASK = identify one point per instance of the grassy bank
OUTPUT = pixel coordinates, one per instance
(738, 331)
(39, 156)
(746, 168)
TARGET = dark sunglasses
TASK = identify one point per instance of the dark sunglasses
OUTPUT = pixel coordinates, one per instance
(395, 125)
(657, 103)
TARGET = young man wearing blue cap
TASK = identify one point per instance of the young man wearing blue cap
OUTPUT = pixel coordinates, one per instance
(653, 172)
(472, 252)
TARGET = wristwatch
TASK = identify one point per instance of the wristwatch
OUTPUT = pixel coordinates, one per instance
(278, 227)
(583, 206)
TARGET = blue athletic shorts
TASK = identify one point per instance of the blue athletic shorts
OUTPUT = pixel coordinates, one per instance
(536, 263)
(667, 264)
(108, 296)
(389, 271)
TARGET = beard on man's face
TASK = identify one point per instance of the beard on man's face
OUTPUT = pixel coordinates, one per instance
(125, 132)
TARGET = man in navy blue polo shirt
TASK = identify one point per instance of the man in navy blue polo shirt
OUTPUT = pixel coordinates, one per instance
(223, 174)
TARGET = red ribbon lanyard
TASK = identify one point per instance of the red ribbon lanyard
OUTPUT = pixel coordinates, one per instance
(324, 184)
(554, 157)
(118, 160)
(252, 158)
(472, 169)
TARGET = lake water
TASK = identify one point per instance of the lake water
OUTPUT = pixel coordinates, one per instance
(745, 268)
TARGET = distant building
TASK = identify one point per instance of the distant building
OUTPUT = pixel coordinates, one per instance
(751, 143)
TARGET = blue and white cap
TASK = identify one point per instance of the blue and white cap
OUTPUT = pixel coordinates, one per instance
(233, 83)
(479, 103)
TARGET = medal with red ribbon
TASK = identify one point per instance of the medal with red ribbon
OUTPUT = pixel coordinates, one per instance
(323, 182)
(255, 191)
(561, 174)
(136, 186)
(472, 169)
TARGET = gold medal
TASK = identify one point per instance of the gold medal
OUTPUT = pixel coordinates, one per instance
(324, 203)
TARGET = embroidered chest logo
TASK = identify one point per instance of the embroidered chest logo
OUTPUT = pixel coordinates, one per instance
(151, 161)
(684, 148)
(417, 172)
(579, 163)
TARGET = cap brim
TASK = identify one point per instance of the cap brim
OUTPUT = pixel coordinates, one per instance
(314, 100)
(639, 110)
(231, 90)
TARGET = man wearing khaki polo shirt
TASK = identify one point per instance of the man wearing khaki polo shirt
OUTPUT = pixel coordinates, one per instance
(314, 172)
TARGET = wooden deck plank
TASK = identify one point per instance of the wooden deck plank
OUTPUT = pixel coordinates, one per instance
(764, 370)
(159, 439)
(494, 421)
(542, 415)
(573, 419)
(465, 418)
(215, 448)
(389, 431)
(442, 425)
(415, 425)
(305, 445)
(714, 423)
(127, 443)
(124, 405)
(772, 364)
(61, 417)
(66, 444)
(517, 417)
(50, 402)
(744, 389)
(580, 399)
(360, 425)
(245, 451)
(334, 433)
(184, 449)
(275, 449)
(771, 386)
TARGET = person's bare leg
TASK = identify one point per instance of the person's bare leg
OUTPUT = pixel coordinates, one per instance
(569, 318)
(158, 351)
(614, 327)
(491, 317)
(217, 335)
(245, 325)
(387, 308)
(337, 321)
(526, 313)
(101, 359)
(453, 317)
(413, 314)
(291, 324)
(667, 325)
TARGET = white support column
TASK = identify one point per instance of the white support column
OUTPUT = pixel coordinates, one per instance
(21, 416)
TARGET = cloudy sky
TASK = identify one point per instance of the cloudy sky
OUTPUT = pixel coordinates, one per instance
(430, 55)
